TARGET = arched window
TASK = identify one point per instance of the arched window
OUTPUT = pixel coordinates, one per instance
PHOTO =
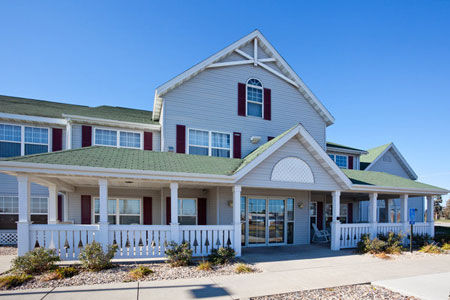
(254, 98)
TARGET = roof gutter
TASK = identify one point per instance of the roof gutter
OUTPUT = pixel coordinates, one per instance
(344, 150)
(402, 190)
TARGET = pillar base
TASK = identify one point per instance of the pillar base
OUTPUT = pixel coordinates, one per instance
(335, 236)
(23, 237)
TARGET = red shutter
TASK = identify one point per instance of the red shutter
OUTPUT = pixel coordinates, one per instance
(60, 208)
(86, 136)
(267, 104)
(181, 139)
(168, 208)
(148, 140)
(241, 99)
(201, 211)
(237, 145)
(85, 209)
(350, 162)
(350, 212)
(320, 215)
(270, 138)
(56, 139)
(147, 210)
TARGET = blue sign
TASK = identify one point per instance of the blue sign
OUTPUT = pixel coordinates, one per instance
(412, 216)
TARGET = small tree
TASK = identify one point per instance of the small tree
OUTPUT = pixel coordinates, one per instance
(446, 210)
(438, 209)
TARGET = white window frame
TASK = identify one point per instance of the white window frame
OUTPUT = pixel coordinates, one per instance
(22, 137)
(334, 158)
(180, 208)
(210, 147)
(118, 131)
(118, 214)
(17, 212)
(254, 102)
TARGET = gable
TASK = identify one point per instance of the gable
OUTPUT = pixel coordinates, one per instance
(389, 163)
(259, 42)
(267, 173)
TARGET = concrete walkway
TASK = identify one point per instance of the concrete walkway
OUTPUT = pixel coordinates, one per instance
(5, 262)
(426, 287)
(286, 269)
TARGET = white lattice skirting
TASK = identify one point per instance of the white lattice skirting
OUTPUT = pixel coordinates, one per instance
(8, 237)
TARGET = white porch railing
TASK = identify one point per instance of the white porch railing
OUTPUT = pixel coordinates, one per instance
(204, 238)
(139, 241)
(351, 234)
(67, 240)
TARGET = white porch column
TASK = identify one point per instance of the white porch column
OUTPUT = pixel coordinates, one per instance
(404, 212)
(174, 225)
(103, 212)
(23, 225)
(52, 205)
(237, 218)
(69, 134)
(373, 198)
(430, 214)
(335, 224)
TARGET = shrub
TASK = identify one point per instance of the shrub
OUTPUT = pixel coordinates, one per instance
(93, 257)
(243, 268)
(140, 272)
(393, 241)
(446, 247)
(36, 261)
(388, 244)
(66, 272)
(431, 248)
(179, 255)
(13, 280)
(221, 256)
(205, 266)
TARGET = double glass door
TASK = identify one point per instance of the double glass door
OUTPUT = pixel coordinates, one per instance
(265, 221)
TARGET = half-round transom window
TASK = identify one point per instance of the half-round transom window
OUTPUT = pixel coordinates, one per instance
(292, 169)
(254, 98)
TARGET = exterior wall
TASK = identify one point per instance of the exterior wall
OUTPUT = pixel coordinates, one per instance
(389, 164)
(212, 96)
(261, 175)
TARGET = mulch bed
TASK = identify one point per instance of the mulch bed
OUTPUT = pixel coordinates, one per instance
(8, 250)
(346, 292)
(119, 273)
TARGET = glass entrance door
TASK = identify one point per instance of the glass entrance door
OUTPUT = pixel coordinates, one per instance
(256, 221)
(276, 221)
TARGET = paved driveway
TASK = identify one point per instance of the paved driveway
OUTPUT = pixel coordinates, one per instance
(286, 269)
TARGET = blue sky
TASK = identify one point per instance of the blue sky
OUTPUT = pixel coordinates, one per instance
(382, 68)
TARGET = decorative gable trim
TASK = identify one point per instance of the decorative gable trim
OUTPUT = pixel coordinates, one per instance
(398, 156)
(287, 73)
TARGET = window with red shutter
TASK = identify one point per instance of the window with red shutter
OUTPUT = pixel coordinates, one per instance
(237, 145)
(241, 99)
(86, 136)
(147, 207)
(181, 139)
(148, 140)
(57, 139)
(267, 104)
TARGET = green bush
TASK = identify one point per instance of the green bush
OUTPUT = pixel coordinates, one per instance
(393, 241)
(420, 240)
(66, 272)
(431, 248)
(221, 256)
(388, 244)
(243, 268)
(179, 255)
(205, 266)
(93, 257)
(36, 261)
(9, 281)
(140, 272)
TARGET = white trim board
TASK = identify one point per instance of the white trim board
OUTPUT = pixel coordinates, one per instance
(288, 74)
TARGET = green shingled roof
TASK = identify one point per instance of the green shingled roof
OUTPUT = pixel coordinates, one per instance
(334, 145)
(373, 153)
(32, 107)
(384, 180)
(134, 159)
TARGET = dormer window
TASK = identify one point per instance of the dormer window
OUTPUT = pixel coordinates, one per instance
(254, 98)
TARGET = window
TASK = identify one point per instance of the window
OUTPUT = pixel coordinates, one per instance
(120, 211)
(187, 211)
(394, 211)
(340, 160)
(35, 140)
(202, 142)
(114, 138)
(290, 220)
(243, 214)
(39, 205)
(130, 139)
(10, 205)
(254, 98)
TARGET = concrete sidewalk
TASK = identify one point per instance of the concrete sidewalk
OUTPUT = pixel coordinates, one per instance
(5, 262)
(286, 270)
(426, 287)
